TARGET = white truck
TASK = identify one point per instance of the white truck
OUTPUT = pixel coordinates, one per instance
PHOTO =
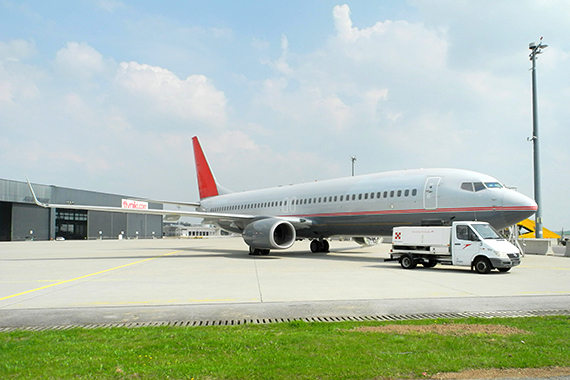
(475, 244)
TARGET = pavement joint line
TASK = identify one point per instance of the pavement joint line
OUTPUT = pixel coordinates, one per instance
(324, 319)
(86, 276)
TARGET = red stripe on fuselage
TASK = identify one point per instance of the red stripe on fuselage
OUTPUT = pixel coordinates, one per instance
(420, 211)
(206, 182)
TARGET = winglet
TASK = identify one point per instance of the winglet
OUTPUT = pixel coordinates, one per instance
(34, 195)
(206, 182)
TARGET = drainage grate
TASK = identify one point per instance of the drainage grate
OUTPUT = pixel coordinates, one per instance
(353, 318)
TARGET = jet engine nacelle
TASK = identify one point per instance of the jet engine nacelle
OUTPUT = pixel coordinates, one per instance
(269, 233)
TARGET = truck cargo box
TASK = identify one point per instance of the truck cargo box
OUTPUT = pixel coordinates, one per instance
(422, 236)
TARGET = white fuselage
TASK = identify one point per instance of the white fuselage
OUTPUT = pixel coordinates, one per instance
(371, 205)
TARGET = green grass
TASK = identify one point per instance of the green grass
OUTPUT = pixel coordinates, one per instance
(295, 350)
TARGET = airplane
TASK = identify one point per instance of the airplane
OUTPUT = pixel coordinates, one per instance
(358, 207)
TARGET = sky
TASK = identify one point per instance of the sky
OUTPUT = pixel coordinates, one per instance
(106, 95)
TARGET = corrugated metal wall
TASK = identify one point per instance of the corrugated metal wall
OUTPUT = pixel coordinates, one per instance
(19, 215)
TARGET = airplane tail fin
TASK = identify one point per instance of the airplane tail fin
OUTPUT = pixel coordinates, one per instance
(207, 184)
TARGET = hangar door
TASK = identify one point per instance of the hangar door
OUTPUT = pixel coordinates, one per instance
(71, 224)
(5, 221)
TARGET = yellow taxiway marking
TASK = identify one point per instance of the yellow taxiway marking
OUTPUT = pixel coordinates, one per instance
(87, 275)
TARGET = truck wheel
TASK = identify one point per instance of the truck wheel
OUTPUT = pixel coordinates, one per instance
(408, 262)
(430, 264)
(503, 270)
(482, 265)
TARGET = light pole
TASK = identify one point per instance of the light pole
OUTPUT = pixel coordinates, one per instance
(536, 49)
(353, 159)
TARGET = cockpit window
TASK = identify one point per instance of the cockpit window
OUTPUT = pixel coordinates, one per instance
(479, 186)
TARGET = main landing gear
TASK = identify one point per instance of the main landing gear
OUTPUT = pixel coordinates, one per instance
(316, 246)
(258, 251)
(319, 246)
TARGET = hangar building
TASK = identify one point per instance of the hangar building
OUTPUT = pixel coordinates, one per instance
(22, 219)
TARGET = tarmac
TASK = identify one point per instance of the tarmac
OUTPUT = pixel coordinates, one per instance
(190, 281)
(184, 282)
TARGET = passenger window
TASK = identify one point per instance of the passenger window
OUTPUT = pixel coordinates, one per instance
(392, 194)
(341, 197)
(366, 196)
(385, 194)
(467, 186)
(324, 199)
(330, 198)
(353, 196)
(406, 193)
(399, 193)
(378, 194)
(335, 198)
(359, 196)
(414, 192)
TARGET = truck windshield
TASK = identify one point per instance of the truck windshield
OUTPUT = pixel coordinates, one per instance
(486, 231)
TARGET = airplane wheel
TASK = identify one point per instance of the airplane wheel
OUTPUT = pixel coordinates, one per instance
(408, 262)
(315, 246)
(258, 251)
(482, 265)
(319, 246)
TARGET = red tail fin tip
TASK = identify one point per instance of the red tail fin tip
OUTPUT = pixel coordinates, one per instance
(206, 182)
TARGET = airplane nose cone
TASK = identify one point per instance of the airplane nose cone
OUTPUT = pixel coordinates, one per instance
(517, 207)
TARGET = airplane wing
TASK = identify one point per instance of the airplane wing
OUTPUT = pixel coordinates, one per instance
(175, 203)
(209, 217)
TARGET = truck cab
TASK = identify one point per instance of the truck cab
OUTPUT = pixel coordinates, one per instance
(473, 242)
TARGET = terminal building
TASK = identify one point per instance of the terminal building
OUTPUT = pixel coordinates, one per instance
(22, 219)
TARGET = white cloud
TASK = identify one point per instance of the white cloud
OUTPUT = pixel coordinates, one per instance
(17, 78)
(399, 46)
(344, 86)
(79, 60)
(16, 50)
(194, 98)
(109, 5)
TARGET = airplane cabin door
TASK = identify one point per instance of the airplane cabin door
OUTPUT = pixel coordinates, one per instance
(430, 193)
